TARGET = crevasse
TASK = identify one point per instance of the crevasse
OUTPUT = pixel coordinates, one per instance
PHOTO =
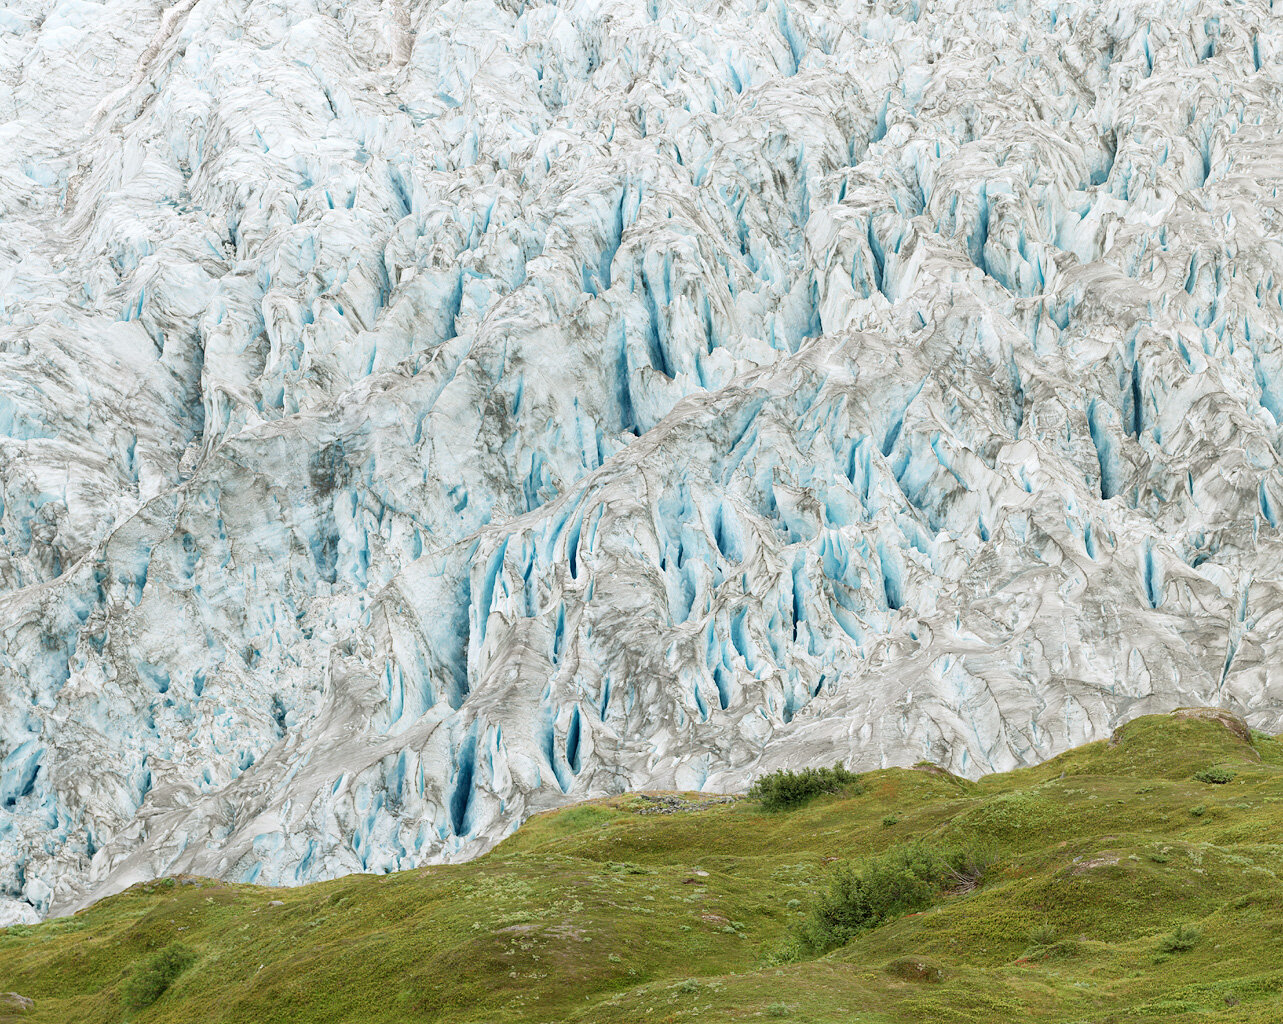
(415, 416)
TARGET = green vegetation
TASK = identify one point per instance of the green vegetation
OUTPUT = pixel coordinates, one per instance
(152, 978)
(1080, 890)
(1042, 935)
(1183, 937)
(1215, 776)
(783, 790)
(884, 887)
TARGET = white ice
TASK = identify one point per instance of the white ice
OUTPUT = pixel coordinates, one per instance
(414, 416)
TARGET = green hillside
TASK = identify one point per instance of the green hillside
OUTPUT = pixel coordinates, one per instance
(1110, 884)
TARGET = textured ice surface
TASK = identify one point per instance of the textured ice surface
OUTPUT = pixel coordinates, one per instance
(417, 415)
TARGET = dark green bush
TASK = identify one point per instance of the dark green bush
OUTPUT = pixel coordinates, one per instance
(1214, 776)
(150, 980)
(784, 789)
(890, 885)
(1180, 939)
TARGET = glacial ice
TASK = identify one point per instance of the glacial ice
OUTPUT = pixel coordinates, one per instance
(414, 416)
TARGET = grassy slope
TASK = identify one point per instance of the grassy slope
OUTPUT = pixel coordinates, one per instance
(600, 914)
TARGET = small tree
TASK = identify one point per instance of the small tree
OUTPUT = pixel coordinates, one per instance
(1183, 937)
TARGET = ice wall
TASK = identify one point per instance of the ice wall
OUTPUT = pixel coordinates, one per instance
(415, 416)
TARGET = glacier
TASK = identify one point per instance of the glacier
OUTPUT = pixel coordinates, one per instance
(418, 415)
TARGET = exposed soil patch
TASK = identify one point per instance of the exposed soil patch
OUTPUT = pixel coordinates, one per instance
(1106, 860)
(667, 804)
(916, 968)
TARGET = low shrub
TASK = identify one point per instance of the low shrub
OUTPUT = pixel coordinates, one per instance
(890, 885)
(1214, 776)
(152, 979)
(784, 789)
(965, 869)
(1183, 937)
(1042, 943)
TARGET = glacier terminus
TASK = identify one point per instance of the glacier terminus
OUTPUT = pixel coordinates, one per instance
(418, 414)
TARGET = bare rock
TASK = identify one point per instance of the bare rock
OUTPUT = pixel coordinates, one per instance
(12, 1003)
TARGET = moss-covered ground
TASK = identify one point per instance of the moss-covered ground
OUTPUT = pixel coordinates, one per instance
(602, 913)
